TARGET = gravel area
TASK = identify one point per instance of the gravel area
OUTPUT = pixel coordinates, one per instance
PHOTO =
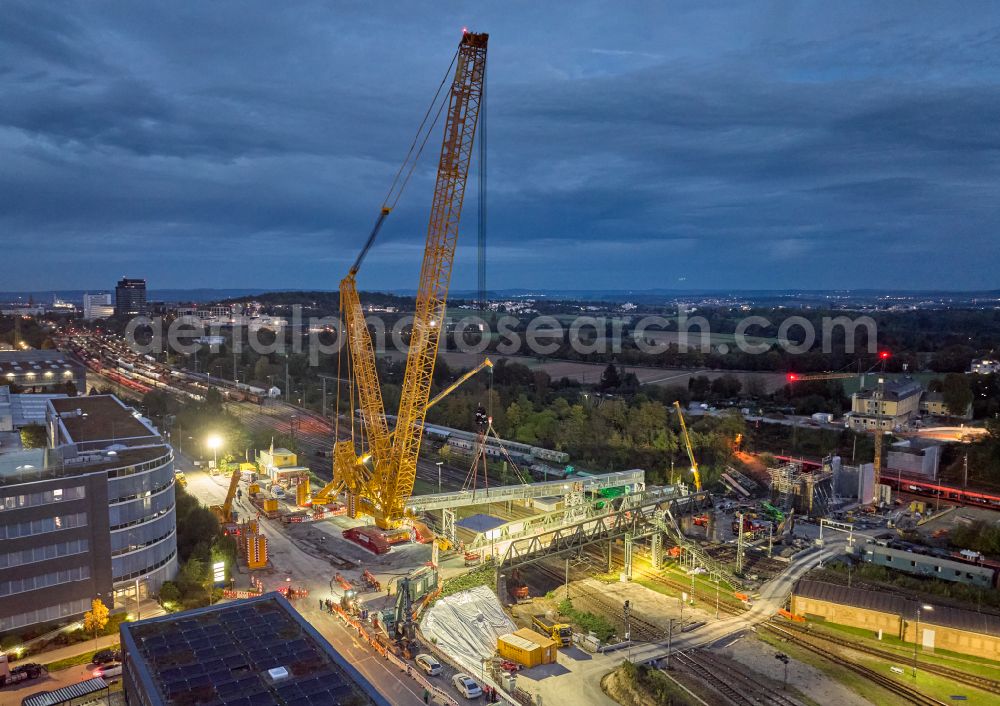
(817, 686)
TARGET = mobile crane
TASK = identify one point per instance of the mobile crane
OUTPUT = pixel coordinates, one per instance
(378, 481)
(224, 512)
(690, 449)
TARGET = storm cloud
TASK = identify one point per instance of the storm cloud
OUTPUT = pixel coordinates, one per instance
(631, 144)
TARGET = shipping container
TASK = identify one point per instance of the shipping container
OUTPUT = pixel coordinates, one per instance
(527, 647)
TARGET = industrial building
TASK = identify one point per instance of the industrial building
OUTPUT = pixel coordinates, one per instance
(91, 515)
(17, 410)
(899, 404)
(254, 651)
(41, 371)
(941, 568)
(932, 404)
(915, 457)
(884, 613)
(130, 297)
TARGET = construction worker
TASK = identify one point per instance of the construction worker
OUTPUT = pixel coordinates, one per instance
(427, 696)
(321, 604)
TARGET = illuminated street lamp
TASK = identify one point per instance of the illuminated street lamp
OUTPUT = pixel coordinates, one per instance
(214, 442)
(916, 636)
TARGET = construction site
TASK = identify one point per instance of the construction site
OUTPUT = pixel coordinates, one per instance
(534, 584)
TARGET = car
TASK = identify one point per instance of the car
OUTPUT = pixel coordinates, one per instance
(430, 665)
(467, 686)
(109, 670)
(105, 656)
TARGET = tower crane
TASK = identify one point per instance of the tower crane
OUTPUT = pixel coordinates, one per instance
(378, 481)
(690, 449)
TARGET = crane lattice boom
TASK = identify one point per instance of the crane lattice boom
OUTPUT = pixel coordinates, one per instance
(380, 481)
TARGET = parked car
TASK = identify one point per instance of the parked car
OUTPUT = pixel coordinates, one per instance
(430, 665)
(109, 670)
(105, 656)
(467, 686)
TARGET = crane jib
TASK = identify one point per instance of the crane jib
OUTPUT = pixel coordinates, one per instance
(394, 455)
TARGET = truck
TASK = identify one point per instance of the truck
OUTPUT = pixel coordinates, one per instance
(823, 418)
(20, 673)
(560, 632)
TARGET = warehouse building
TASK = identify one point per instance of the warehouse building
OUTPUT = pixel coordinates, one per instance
(41, 371)
(253, 651)
(90, 516)
(883, 613)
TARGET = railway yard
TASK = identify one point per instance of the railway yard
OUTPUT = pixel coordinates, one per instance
(699, 596)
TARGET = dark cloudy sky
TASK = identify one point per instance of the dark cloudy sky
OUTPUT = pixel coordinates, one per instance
(631, 144)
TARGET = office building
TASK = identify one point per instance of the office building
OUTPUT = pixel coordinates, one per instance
(41, 371)
(97, 306)
(253, 651)
(92, 515)
(130, 297)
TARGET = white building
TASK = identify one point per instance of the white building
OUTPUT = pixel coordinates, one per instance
(97, 306)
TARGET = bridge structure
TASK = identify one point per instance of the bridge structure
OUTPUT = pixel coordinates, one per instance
(649, 515)
(633, 481)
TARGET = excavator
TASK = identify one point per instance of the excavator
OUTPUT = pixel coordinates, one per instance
(690, 449)
(378, 481)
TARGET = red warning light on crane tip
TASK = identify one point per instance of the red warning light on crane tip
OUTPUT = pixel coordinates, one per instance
(792, 377)
(883, 355)
(465, 30)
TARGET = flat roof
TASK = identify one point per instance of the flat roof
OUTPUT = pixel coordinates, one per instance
(103, 417)
(222, 655)
(33, 361)
(12, 469)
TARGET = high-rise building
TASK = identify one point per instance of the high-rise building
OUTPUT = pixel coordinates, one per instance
(92, 515)
(130, 297)
(97, 306)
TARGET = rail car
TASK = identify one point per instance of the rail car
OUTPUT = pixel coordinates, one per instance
(964, 496)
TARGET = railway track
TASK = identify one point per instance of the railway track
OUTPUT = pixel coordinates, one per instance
(736, 685)
(641, 630)
(980, 682)
(909, 693)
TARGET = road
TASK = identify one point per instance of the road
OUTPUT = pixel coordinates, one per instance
(12, 696)
(579, 673)
(297, 561)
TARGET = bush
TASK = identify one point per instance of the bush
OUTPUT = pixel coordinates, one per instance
(169, 593)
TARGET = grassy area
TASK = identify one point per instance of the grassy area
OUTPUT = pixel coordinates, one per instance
(589, 622)
(483, 575)
(890, 643)
(940, 688)
(73, 661)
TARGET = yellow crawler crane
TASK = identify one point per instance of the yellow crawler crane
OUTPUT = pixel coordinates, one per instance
(379, 481)
(690, 449)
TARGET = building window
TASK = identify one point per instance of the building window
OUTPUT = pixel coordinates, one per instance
(54, 578)
(46, 524)
(51, 551)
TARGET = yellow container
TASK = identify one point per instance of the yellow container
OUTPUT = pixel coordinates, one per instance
(527, 647)
(270, 505)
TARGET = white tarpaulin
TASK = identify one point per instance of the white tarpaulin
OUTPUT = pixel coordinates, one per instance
(466, 626)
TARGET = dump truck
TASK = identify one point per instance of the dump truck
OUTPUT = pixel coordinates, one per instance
(562, 633)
